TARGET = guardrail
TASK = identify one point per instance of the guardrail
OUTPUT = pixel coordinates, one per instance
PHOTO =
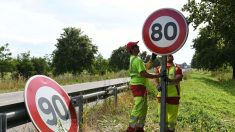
(13, 111)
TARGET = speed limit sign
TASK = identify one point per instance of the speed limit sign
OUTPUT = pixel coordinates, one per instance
(49, 106)
(165, 31)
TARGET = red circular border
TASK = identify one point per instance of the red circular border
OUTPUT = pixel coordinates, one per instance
(31, 88)
(182, 35)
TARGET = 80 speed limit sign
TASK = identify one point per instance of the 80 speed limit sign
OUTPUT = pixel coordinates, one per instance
(165, 31)
(49, 106)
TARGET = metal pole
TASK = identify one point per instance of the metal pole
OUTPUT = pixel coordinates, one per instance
(163, 96)
(115, 97)
(80, 111)
(3, 122)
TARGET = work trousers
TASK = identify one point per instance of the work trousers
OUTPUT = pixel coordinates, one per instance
(171, 114)
(139, 112)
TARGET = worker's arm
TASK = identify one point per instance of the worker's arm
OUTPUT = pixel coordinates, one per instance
(148, 75)
(149, 64)
(178, 78)
(157, 71)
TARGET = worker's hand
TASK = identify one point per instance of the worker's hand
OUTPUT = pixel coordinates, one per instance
(153, 57)
(159, 88)
(160, 75)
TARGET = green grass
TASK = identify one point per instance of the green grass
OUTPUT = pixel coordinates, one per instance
(207, 105)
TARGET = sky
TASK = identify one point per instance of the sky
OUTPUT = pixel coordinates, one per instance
(35, 25)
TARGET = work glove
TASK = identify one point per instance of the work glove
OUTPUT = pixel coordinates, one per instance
(159, 88)
(153, 57)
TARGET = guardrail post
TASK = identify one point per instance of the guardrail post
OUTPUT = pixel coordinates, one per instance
(3, 122)
(80, 110)
(115, 92)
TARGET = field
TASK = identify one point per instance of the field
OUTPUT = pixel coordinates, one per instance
(207, 105)
(11, 85)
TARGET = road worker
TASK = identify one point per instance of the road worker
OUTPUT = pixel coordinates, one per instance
(174, 76)
(138, 84)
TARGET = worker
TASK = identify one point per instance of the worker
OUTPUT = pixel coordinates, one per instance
(138, 85)
(174, 76)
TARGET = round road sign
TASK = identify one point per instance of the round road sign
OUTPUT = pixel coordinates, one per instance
(49, 106)
(165, 31)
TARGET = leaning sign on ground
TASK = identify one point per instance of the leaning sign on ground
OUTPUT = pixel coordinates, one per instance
(165, 31)
(49, 106)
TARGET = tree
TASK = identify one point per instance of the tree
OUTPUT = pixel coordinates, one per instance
(5, 60)
(119, 59)
(27, 66)
(24, 65)
(100, 65)
(208, 53)
(40, 65)
(75, 52)
(218, 17)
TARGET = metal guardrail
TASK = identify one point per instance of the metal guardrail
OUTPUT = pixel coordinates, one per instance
(14, 114)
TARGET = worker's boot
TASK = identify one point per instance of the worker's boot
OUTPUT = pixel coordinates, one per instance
(130, 129)
(139, 129)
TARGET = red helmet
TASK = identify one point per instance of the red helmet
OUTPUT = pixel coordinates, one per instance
(130, 45)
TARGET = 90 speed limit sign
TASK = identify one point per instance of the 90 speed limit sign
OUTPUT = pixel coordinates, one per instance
(49, 106)
(165, 31)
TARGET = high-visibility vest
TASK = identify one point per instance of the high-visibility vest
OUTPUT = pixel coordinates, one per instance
(148, 65)
(173, 90)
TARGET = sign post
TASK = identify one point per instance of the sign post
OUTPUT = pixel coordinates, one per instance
(49, 106)
(164, 32)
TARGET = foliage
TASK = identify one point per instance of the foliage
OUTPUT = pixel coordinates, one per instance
(75, 52)
(119, 59)
(219, 17)
(100, 65)
(27, 66)
(40, 66)
(24, 66)
(5, 60)
(207, 54)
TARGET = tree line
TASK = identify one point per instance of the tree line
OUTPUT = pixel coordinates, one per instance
(75, 53)
(215, 44)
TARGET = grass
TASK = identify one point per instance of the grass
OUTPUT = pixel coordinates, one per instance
(11, 85)
(207, 105)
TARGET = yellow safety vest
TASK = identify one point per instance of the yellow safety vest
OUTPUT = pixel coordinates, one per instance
(173, 90)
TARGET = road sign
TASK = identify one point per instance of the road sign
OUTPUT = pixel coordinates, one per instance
(165, 31)
(49, 106)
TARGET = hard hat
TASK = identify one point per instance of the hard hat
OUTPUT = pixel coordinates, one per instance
(130, 45)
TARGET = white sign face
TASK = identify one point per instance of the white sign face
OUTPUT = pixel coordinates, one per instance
(49, 106)
(53, 109)
(165, 31)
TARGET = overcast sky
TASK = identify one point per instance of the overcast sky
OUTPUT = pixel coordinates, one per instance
(34, 25)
